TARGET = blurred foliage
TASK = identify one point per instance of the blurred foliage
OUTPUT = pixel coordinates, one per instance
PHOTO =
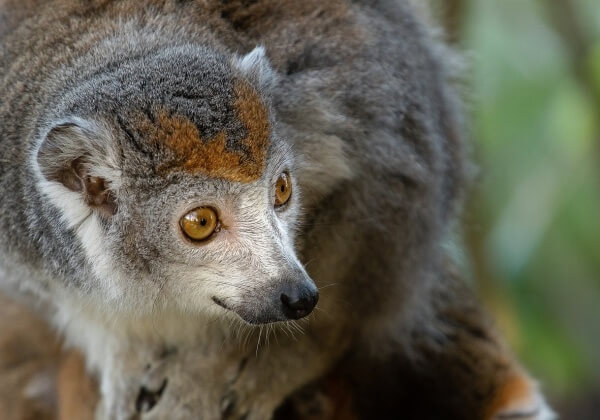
(533, 223)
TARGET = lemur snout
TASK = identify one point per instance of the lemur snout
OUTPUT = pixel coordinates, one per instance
(298, 302)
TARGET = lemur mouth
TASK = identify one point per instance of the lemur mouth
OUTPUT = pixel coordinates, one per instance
(248, 318)
(220, 303)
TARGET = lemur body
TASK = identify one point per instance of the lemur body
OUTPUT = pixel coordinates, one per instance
(329, 157)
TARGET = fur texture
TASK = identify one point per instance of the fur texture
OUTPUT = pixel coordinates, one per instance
(119, 117)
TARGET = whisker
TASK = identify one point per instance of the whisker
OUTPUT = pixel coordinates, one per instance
(327, 285)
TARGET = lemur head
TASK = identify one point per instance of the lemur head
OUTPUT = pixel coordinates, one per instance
(169, 172)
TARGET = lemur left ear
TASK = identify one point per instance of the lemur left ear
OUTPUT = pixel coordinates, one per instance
(76, 155)
(256, 67)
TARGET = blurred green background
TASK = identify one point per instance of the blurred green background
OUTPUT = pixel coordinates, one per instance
(532, 76)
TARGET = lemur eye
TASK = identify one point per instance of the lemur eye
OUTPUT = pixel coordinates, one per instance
(283, 189)
(199, 224)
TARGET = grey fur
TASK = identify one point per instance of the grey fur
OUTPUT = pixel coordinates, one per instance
(362, 116)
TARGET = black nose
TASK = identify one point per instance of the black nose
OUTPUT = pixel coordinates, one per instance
(297, 303)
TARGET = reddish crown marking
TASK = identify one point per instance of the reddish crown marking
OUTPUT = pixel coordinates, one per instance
(212, 157)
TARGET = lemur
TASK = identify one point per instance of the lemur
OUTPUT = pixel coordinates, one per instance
(184, 180)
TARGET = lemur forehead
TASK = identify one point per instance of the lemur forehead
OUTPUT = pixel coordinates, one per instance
(242, 160)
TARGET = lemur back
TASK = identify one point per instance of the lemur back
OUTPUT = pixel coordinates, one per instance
(184, 180)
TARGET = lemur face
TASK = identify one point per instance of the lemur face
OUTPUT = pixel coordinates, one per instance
(225, 246)
(170, 174)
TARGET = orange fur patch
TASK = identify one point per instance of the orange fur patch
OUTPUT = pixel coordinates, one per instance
(253, 114)
(341, 399)
(29, 352)
(77, 390)
(517, 394)
(212, 157)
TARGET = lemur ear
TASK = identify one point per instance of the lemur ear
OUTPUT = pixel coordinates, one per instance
(256, 67)
(76, 154)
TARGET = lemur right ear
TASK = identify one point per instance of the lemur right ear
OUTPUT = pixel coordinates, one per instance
(77, 155)
(256, 67)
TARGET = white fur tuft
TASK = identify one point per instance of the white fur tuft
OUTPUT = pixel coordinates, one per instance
(253, 60)
(256, 66)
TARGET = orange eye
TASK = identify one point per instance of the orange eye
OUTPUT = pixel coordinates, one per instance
(283, 189)
(199, 224)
